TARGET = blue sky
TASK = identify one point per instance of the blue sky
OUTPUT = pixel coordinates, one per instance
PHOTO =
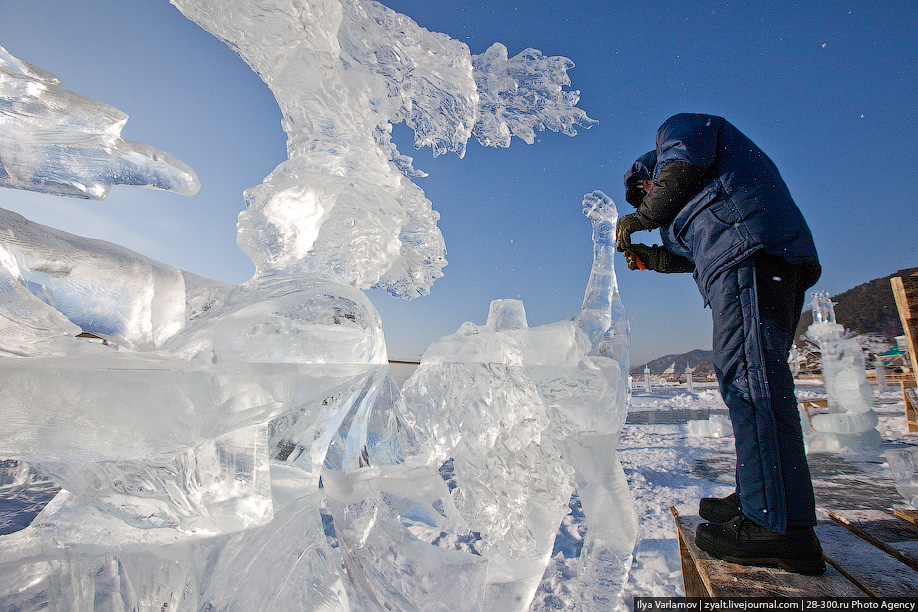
(827, 89)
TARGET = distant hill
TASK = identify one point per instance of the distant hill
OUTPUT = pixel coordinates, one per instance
(698, 359)
(869, 308)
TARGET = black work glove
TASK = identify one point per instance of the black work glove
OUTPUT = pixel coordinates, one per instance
(627, 225)
(657, 258)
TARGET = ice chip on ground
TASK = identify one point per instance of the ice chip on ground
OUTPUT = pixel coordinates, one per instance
(904, 466)
(60, 142)
(715, 426)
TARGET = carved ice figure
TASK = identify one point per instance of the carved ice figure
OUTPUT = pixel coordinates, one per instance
(58, 141)
(177, 466)
(850, 420)
(526, 416)
(715, 426)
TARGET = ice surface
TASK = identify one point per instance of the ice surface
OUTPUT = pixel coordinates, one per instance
(904, 466)
(343, 73)
(851, 420)
(183, 456)
(57, 141)
(527, 416)
(715, 426)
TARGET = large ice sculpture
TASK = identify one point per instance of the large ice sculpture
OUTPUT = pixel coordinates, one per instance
(343, 72)
(177, 465)
(850, 420)
(525, 416)
(57, 141)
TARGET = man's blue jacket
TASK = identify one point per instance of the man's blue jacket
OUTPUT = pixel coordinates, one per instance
(741, 204)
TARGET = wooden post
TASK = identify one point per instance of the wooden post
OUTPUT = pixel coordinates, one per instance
(905, 289)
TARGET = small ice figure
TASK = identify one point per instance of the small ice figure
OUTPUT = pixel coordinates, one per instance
(715, 426)
(793, 360)
(851, 420)
(904, 466)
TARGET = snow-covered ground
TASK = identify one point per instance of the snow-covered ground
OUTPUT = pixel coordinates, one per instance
(668, 467)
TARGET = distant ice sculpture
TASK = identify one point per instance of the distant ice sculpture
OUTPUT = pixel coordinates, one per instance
(850, 420)
(904, 466)
(181, 458)
(56, 141)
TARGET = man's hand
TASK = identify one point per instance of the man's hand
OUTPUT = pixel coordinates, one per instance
(627, 225)
(657, 258)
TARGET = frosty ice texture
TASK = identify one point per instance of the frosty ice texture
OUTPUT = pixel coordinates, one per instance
(850, 420)
(343, 73)
(904, 466)
(715, 426)
(175, 464)
(57, 141)
(528, 415)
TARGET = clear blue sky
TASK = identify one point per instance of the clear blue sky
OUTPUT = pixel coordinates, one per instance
(827, 89)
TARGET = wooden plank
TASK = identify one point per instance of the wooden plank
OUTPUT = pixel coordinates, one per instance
(905, 291)
(691, 579)
(907, 515)
(722, 579)
(883, 530)
(911, 408)
(877, 573)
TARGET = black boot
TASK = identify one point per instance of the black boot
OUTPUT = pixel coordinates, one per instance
(742, 541)
(717, 510)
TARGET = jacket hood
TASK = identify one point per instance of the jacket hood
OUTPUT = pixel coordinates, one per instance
(642, 168)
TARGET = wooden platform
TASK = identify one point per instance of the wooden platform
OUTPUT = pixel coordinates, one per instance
(868, 554)
(910, 397)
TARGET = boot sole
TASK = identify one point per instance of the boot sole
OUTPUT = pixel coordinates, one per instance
(718, 517)
(807, 567)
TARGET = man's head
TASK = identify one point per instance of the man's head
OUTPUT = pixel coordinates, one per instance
(638, 178)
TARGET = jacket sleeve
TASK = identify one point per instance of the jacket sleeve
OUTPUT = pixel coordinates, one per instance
(676, 184)
(678, 263)
(686, 148)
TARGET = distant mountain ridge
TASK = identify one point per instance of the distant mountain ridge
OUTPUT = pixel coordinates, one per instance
(868, 308)
(699, 360)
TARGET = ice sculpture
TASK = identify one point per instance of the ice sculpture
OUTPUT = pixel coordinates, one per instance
(850, 420)
(903, 464)
(57, 141)
(526, 415)
(176, 465)
(715, 426)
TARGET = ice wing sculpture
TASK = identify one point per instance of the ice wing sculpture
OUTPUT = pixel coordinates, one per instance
(342, 73)
(56, 141)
